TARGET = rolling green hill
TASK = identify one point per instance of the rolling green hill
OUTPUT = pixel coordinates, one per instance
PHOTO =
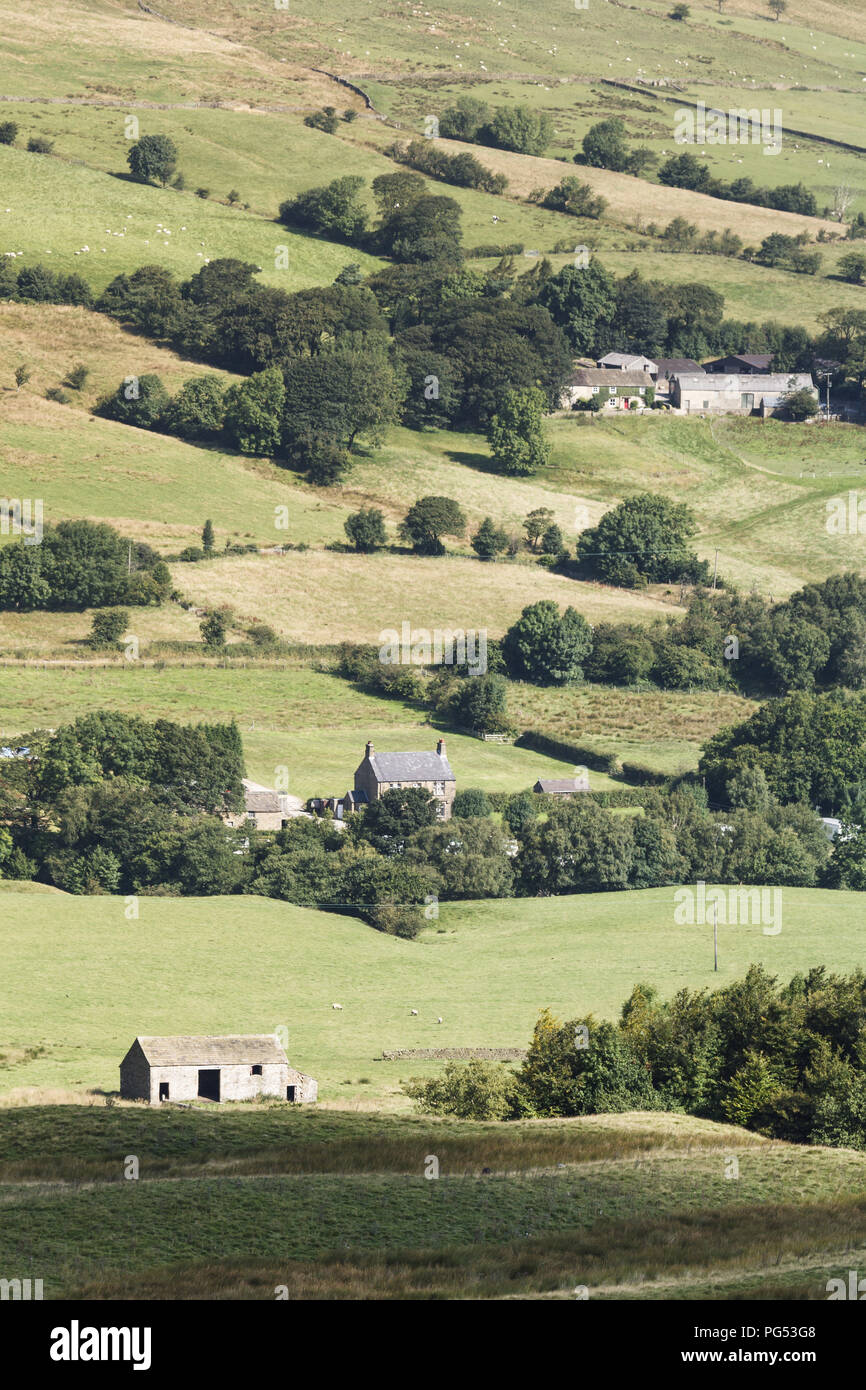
(222, 965)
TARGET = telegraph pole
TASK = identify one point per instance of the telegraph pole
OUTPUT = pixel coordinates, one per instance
(715, 936)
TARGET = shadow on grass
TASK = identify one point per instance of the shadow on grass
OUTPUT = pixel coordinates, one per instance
(482, 463)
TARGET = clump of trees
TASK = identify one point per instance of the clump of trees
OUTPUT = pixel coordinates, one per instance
(686, 171)
(605, 147)
(810, 747)
(574, 197)
(80, 564)
(643, 539)
(781, 1060)
(462, 169)
(517, 128)
(547, 647)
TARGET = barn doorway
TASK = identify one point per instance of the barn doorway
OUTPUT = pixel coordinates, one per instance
(163, 1090)
(209, 1084)
(290, 1093)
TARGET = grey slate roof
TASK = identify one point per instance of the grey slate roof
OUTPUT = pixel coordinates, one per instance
(667, 365)
(621, 360)
(411, 767)
(197, 1050)
(762, 383)
(258, 799)
(760, 360)
(608, 376)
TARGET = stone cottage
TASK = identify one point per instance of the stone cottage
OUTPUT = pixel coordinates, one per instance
(613, 386)
(189, 1068)
(263, 808)
(382, 772)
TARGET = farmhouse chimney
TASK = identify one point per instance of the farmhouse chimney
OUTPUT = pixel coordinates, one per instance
(440, 748)
(369, 751)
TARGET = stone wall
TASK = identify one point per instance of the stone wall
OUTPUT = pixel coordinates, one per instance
(456, 1054)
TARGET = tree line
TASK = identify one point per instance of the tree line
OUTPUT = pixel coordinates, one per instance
(785, 1061)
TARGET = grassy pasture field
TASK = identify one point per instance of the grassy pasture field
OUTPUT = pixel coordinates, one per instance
(115, 51)
(760, 490)
(56, 208)
(230, 149)
(325, 597)
(635, 1227)
(252, 965)
(559, 41)
(335, 1205)
(313, 724)
(332, 1200)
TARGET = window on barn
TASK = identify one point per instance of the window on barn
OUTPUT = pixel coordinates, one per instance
(163, 1090)
(255, 1071)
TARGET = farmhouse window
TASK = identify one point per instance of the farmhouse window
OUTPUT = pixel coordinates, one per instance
(611, 390)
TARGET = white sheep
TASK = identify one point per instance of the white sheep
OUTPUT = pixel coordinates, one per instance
(336, 1006)
(413, 1011)
(438, 1020)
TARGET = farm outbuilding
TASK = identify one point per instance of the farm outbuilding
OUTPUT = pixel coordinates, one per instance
(189, 1068)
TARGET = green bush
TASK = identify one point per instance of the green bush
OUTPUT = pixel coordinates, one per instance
(469, 1091)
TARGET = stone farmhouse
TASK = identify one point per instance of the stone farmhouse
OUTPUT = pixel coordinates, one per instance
(382, 772)
(625, 390)
(740, 384)
(211, 1068)
(737, 394)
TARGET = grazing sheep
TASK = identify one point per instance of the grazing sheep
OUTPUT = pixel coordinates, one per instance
(336, 1006)
(438, 1020)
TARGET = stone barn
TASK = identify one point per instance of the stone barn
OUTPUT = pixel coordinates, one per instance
(208, 1068)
